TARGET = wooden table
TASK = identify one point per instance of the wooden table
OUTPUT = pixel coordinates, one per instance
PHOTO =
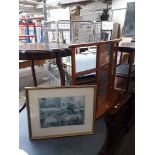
(76, 145)
(41, 51)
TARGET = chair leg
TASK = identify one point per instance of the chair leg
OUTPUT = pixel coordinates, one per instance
(129, 72)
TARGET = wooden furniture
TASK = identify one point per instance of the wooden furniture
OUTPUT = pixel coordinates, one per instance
(104, 71)
(32, 54)
(126, 70)
(119, 120)
(42, 51)
(106, 57)
(107, 99)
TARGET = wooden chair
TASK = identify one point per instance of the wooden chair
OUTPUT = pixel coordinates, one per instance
(106, 57)
(126, 69)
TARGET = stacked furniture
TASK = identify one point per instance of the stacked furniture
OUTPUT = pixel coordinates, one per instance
(107, 100)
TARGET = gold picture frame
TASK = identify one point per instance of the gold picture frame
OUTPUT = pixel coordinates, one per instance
(60, 111)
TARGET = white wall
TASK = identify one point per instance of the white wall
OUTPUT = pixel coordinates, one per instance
(93, 10)
(119, 15)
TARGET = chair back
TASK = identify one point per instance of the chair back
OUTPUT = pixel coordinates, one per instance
(104, 71)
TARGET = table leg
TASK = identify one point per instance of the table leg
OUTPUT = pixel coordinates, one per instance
(33, 74)
(61, 70)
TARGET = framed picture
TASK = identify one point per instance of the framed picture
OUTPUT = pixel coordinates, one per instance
(60, 111)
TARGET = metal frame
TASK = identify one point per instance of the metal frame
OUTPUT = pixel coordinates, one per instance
(73, 31)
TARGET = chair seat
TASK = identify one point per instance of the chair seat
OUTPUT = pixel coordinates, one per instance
(77, 145)
(123, 69)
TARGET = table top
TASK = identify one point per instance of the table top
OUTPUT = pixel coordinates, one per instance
(38, 51)
(76, 145)
(126, 46)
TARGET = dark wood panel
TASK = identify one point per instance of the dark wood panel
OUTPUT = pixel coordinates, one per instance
(129, 24)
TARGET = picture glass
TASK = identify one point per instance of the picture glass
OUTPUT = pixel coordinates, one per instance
(61, 111)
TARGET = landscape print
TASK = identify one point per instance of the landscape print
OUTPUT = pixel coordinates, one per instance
(61, 111)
